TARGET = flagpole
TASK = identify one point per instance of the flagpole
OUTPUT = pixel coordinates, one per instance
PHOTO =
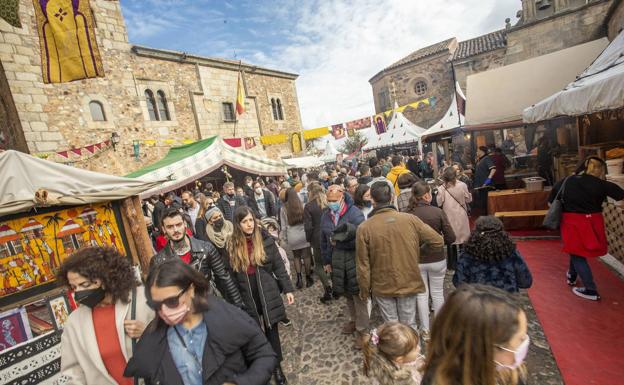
(239, 76)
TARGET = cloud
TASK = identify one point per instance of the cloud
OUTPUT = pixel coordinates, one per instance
(337, 46)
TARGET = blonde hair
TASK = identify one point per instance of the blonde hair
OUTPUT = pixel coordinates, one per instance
(237, 245)
(316, 192)
(390, 341)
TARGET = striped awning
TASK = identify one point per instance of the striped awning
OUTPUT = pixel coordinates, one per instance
(184, 164)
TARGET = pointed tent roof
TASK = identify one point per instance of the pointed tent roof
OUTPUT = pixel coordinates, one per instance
(449, 121)
(31, 225)
(21, 175)
(184, 164)
(400, 130)
(70, 227)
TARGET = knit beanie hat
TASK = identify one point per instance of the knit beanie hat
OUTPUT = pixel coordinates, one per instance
(212, 211)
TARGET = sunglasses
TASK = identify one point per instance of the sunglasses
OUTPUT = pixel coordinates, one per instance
(171, 302)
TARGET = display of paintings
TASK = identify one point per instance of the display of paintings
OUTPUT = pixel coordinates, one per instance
(359, 124)
(14, 328)
(59, 309)
(32, 248)
(295, 141)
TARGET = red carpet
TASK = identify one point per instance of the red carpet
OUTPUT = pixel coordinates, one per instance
(586, 337)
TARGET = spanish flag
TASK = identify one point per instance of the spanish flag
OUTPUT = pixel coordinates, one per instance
(240, 96)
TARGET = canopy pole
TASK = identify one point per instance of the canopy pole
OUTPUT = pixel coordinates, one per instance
(131, 211)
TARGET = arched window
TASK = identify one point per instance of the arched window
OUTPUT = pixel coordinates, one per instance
(280, 110)
(97, 111)
(420, 87)
(163, 111)
(151, 105)
(274, 108)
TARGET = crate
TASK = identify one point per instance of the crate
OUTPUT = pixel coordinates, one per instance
(534, 183)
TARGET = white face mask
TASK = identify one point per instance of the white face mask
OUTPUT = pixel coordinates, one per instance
(519, 355)
(258, 191)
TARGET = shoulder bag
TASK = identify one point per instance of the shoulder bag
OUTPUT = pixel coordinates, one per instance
(552, 220)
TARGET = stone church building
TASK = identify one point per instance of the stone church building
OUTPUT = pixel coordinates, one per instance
(543, 26)
(151, 99)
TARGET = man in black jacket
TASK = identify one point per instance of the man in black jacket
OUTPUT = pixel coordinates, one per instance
(262, 202)
(201, 255)
(229, 201)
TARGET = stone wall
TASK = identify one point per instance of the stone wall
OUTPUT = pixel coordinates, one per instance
(570, 28)
(615, 23)
(436, 72)
(56, 117)
(478, 63)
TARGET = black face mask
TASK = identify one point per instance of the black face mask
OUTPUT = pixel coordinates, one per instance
(218, 224)
(230, 195)
(90, 297)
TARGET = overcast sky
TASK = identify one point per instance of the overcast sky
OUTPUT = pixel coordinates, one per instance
(335, 46)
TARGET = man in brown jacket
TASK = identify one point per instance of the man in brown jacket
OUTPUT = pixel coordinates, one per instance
(387, 255)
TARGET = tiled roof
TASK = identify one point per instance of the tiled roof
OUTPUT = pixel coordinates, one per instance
(481, 44)
(423, 52)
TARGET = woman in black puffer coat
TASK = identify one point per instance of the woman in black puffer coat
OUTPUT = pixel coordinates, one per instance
(259, 271)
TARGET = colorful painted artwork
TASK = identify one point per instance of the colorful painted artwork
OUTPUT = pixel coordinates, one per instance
(380, 124)
(338, 131)
(14, 328)
(359, 124)
(32, 248)
(69, 49)
(59, 308)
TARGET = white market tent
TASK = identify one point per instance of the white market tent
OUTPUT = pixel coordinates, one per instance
(22, 175)
(184, 164)
(450, 119)
(500, 95)
(600, 87)
(303, 162)
(399, 131)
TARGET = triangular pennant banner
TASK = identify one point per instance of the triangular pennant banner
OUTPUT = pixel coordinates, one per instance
(64, 154)
(98, 146)
(77, 151)
(90, 148)
(107, 143)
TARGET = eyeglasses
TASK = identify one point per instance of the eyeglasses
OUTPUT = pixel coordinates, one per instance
(171, 302)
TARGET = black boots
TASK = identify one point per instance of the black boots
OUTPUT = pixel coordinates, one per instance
(280, 378)
(309, 280)
(452, 254)
(327, 297)
(299, 283)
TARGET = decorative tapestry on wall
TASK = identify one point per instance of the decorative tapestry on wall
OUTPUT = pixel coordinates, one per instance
(32, 248)
(69, 50)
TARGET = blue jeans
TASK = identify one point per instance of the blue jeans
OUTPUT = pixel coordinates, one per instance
(579, 265)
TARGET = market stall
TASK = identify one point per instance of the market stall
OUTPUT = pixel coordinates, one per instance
(519, 208)
(48, 210)
(596, 100)
(303, 162)
(185, 164)
(400, 131)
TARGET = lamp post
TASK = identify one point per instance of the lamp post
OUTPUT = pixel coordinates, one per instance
(115, 138)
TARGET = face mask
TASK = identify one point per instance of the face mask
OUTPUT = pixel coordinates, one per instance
(274, 234)
(519, 355)
(218, 224)
(90, 297)
(333, 206)
(258, 191)
(173, 316)
(230, 195)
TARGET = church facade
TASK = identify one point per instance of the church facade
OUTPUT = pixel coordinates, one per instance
(142, 100)
(543, 27)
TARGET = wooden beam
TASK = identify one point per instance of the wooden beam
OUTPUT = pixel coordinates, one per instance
(131, 210)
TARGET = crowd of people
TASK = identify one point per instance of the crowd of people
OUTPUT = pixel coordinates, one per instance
(382, 234)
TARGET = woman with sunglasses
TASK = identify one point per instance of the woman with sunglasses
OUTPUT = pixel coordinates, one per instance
(97, 339)
(258, 268)
(197, 339)
(480, 338)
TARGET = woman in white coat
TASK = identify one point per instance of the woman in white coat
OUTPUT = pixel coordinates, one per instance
(97, 338)
(453, 197)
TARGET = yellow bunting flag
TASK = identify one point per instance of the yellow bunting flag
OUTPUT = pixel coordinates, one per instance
(188, 141)
(274, 139)
(315, 133)
(240, 96)
(149, 142)
(169, 141)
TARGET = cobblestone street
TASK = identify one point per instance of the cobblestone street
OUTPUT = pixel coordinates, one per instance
(316, 353)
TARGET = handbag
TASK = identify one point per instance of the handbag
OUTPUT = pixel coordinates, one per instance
(552, 220)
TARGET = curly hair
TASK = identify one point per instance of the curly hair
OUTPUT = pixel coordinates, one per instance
(103, 263)
(489, 241)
